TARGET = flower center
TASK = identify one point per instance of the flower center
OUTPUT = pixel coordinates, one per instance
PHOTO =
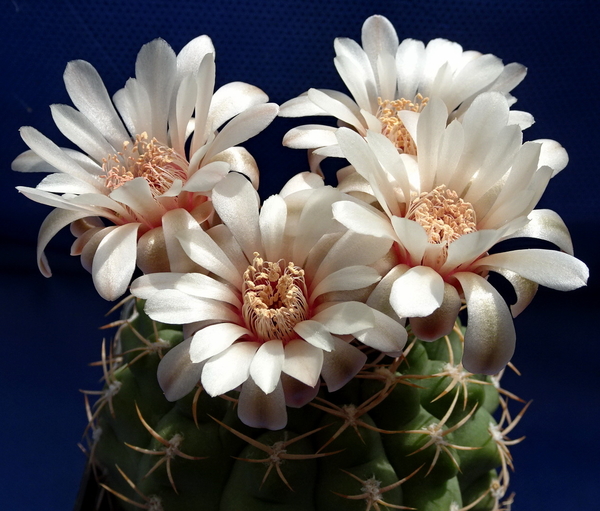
(156, 163)
(274, 299)
(393, 127)
(444, 216)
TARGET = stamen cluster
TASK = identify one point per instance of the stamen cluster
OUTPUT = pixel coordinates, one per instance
(393, 127)
(156, 163)
(274, 299)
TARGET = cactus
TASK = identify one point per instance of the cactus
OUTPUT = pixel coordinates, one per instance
(416, 431)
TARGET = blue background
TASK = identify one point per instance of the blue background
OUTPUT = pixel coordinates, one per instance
(50, 329)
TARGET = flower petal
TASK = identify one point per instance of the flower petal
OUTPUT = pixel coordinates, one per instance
(315, 333)
(303, 362)
(341, 364)
(177, 374)
(441, 321)
(346, 317)
(490, 336)
(237, 203)
(114, 261)
(549, 268)
(388, 336)
(214, 339)
(418, 292)
(228, 369)
(88, 93)
(259, 410)
(266, 365)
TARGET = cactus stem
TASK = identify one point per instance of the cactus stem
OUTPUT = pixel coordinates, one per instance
(153, 503)
(149, 346)
(437, 434)
(351, 414)
(277, 452)
(171, 451)
(373, 493)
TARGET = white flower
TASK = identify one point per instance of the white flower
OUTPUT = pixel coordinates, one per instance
(280, 302)
(473, 185)
(391, 82)
(134, 166)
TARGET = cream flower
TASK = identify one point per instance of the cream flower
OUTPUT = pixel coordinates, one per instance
(473, 185)
(279, 305)
(134, 166)
(391, 82)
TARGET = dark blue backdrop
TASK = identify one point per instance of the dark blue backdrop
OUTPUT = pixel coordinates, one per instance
(50, 329)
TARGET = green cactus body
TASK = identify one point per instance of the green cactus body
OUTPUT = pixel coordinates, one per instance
(413, 432)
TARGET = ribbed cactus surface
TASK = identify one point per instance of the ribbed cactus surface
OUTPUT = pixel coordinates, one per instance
(415, 432)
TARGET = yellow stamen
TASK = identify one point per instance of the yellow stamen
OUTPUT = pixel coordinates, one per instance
(274, 299)
(444, 216)
(393, 128)
(156, 163)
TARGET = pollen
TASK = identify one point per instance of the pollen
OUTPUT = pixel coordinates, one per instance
(393, 128)
(444, 216)
(158, 164)
(274, 299)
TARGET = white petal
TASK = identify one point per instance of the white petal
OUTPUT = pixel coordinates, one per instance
(315, 333)
(346, 317)
(410, 59)
(341, 364)
(549, 268)
(214, 339)
(89, 95)
(388, 336)
(137, 195)
(177, 374)
(272, 220)
(310, 136)
(206, 177)
(418, 292)
(259, 410)
(412, 237)
(65, 183)
(336, 108)
(55, 156)
(547, 225)
(176, 307)
(155, 69)
(349, 278)
(362, 219)
(200, 247)
(53, 223)
(490, 336)
(553, 155)
(266, 365)
(303, 362)
(352, 249)
(193, 284)
(441, 321)
(232, 99)
(237, 203)
(242, 127)
(114, 261)
(300, 107)
(82, 131)
(525, 290)
(229, 369)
